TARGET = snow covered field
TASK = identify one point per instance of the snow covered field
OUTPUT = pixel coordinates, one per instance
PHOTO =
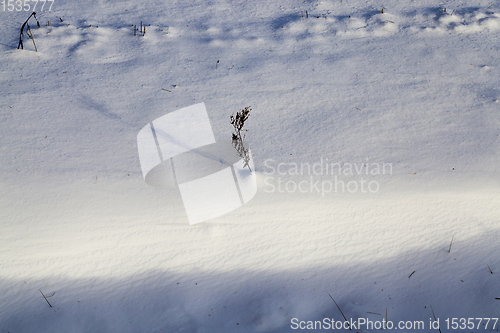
(336, 93)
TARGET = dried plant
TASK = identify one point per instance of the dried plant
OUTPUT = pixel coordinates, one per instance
(238, 121)
(28, 31)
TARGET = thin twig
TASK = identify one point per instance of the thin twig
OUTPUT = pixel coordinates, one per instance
(45, 298)
(449, 250)
(489, 268)
(32, 38)
(435, 318)
(340, 311)
(411, 274)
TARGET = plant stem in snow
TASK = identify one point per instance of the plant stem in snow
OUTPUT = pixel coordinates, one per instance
(340, 311)
(449, 250)
(45, 298)
(435, 318)
(20, 45)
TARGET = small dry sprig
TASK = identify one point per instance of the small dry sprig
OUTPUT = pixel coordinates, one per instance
(28, 32)
(449, 250)
(435, 319)
(142, 29)
(238, 121)
(45, 297)
(338, 307)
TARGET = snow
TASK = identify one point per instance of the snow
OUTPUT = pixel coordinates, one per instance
(414, 87)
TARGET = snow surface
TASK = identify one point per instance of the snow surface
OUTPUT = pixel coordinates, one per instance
(415, 87)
